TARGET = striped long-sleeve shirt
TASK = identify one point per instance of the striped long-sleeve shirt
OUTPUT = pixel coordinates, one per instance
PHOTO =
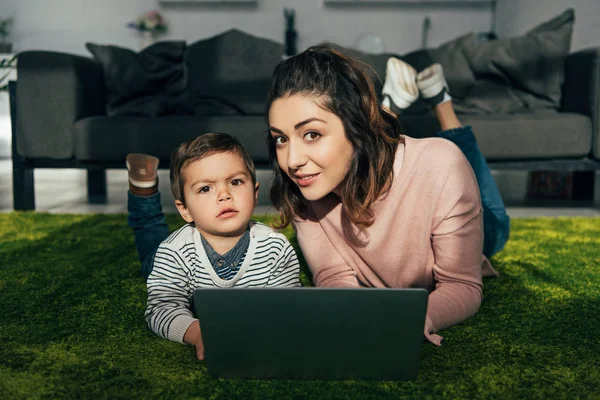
(181, 266)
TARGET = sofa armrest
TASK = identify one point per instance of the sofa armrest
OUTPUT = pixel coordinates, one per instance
(53, 91)
(581, 91)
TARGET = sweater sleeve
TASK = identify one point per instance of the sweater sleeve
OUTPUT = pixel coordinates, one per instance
(286, 271)
(168, 310)
(457, 242)
(326, 265)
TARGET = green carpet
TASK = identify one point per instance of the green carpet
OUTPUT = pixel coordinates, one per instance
(72, 325)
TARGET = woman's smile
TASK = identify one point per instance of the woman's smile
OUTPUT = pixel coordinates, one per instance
(305, 180)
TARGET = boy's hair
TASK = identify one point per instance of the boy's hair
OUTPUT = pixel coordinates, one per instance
(343, 88)
(203, 146)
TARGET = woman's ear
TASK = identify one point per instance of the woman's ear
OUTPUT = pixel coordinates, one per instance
(183, 211)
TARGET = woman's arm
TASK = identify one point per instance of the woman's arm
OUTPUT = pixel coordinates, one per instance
(457, 242)
(327, 266)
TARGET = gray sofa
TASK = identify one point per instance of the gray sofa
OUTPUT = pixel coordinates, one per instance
(61, 118)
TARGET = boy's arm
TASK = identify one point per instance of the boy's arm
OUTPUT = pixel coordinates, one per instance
(286, 271)
(169, 293)
(193, 336)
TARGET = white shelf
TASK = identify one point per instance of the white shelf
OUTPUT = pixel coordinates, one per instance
(409, 2)
(219, 2)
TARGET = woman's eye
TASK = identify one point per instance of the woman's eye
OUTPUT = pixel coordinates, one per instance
(279, 140)
(236, 182)
(204, 189)
(312, 136)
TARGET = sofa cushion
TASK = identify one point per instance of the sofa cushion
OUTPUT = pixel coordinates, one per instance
(530, 136)
(501, 137)
(545, 134)
(110, 139)
(235, 66)
(533, 62)
(145, 83)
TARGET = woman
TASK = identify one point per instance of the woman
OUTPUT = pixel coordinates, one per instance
(370, 206)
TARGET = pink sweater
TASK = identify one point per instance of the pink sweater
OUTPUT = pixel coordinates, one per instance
(428, 233)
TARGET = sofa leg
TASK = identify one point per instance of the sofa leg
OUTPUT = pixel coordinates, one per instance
(23, 192)
(597, 190)
(23, 188)
(96, 185)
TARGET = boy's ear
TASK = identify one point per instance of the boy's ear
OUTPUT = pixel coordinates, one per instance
(256, 192)
(183, 211)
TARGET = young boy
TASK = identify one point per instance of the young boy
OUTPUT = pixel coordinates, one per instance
(213, 181)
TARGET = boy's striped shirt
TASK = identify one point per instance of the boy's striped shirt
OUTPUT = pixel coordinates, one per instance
(181, 266)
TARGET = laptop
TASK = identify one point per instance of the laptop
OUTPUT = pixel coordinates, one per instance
(312, 333)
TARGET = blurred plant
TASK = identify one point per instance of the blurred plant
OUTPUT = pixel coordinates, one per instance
(7, 63)
(151, 22)
(5, 24)
(290, 32)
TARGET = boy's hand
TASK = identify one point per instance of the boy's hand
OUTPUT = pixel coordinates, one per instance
(193, 336)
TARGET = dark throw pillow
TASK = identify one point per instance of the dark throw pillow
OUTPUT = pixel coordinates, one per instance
(230, 73)
(457, 72)
(375, 67)
(533, 62)
(145, 83)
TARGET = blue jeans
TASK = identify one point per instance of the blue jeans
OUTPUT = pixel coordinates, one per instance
(496, 223)
(147, 220)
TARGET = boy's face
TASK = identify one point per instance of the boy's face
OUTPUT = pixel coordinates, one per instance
(219, 194)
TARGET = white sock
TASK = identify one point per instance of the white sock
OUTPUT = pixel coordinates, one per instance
(446, 98)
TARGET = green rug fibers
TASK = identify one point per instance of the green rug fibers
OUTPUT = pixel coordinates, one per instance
(72, 325)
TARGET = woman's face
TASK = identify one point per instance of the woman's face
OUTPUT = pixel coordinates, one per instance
(311, 145)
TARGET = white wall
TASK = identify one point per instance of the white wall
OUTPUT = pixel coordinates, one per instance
(65, 25)
(515, 17)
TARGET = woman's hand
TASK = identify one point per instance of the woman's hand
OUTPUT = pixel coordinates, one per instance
(429, 335)
(193, 336)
